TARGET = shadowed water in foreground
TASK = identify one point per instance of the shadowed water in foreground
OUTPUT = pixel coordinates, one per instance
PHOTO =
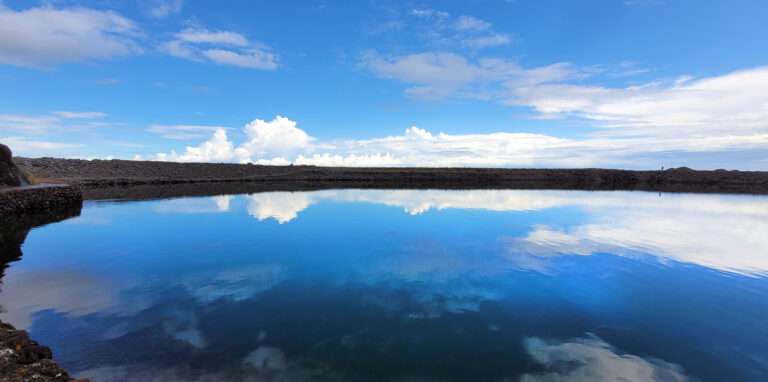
(402, 285)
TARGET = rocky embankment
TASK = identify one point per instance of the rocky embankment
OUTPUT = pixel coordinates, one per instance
(22, 359)
(23, 200)
(17, 196)
(100, 174)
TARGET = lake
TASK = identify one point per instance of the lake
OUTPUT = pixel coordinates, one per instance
(402, 285)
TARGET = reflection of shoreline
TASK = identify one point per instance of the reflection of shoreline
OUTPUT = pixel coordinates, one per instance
(36, 360)
(416, 283)
(688, 228)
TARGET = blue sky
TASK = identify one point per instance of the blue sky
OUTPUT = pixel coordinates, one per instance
(516, 83)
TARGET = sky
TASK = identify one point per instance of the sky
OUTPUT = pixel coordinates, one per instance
(636, 84)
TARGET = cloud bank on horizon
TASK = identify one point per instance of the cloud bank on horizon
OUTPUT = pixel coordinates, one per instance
(457, 89)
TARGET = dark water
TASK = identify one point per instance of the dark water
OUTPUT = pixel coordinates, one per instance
(404, 286)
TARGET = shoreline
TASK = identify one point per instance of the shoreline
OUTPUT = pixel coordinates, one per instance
(103, 174)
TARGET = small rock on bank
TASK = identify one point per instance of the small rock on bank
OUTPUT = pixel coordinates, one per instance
(10, 175)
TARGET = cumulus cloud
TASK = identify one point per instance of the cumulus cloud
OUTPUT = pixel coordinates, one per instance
(281, 142)
(267, 142)
(592, 359)
(216, 149)
(278, 137)
(45, 36)
(221, 47)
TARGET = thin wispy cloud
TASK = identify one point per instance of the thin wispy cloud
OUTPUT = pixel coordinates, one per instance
(160, 9)
(221, 47)
(184, 132)
(57, 120)
(443, 30)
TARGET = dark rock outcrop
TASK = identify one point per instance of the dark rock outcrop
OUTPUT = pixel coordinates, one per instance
(22, 359)
(25, 200)
(10, 176)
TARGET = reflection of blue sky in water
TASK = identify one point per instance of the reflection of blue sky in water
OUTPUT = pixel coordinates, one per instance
(340, 283)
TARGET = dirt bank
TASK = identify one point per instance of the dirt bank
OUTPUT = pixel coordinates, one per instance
(98, 174)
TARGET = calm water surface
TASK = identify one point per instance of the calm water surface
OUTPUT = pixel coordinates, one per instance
(404, 286)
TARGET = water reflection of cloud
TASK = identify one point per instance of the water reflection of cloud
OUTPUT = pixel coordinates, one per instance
(437, 280)
(593, 360)
(69, 292)
(724, 232)
(214, 204)
(705, 233)
(281, 206)
(262, 364)
(237, 284)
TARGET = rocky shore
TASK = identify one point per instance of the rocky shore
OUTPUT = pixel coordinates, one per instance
(17, 196)
(40, 198)
(23, 360)
(102, 174)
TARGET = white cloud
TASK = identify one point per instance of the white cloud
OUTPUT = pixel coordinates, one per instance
(79, 114)
(593, 360)
(430, 13)
(471, 23)
(22, 146)
(280, 142)
(273, 138)
(438, 28)
(731, 104)
(216, 149)
(163, 8)
(48, 122)
(46, 36)
(253, 58)
(221, 47)
(203, 36)
(267, 142)
(443, 74)
(495, 39)
(183, 132)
